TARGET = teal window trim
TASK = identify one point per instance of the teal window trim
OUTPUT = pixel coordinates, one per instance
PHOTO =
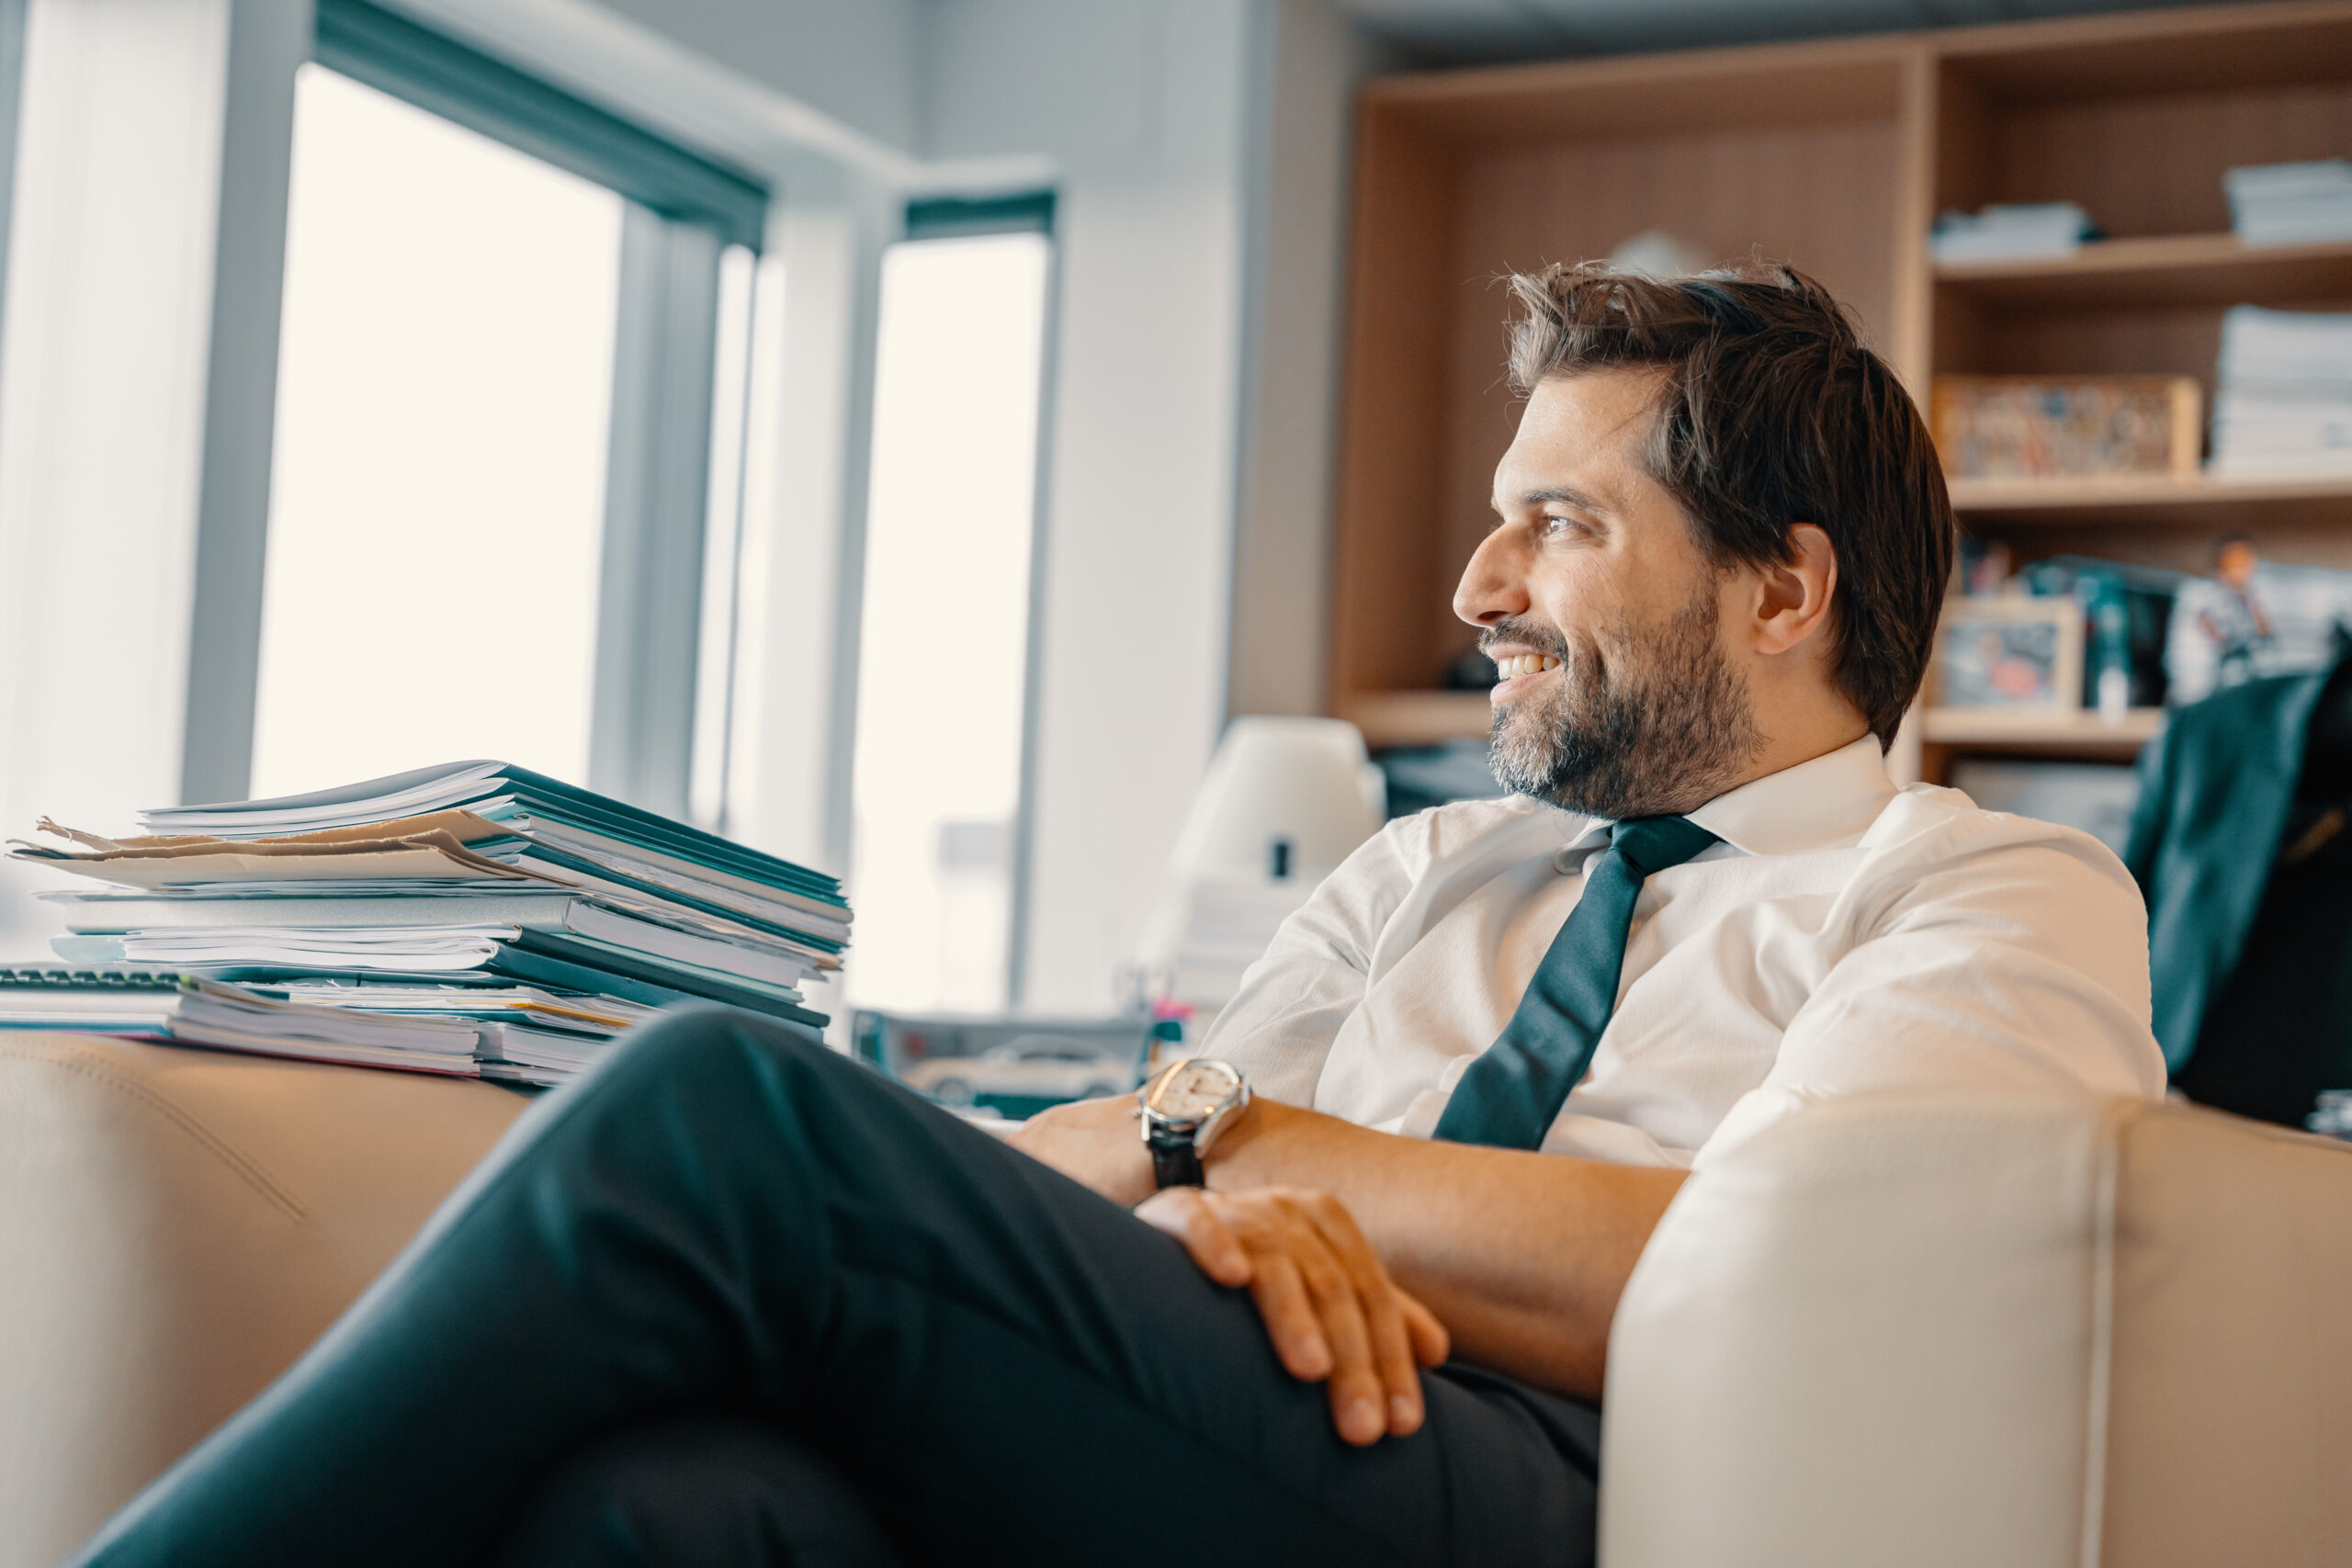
(436, 72)
(962, 217)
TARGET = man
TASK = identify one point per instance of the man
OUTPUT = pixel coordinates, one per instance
(733, 1300)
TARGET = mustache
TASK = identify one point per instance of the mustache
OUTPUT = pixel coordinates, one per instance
(1532, 633)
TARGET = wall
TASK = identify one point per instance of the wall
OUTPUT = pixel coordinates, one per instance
(1281, 614)
(1146, 106)
(850, 60)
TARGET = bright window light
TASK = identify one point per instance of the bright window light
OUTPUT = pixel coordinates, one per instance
(942, 667)
(444, 387)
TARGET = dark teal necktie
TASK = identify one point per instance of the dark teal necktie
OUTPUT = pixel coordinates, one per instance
(1511, 1094)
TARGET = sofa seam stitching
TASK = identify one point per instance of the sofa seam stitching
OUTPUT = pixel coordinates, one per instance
(2108, 1155)
(246, 1168)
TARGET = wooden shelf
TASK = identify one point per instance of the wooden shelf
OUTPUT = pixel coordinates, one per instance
(2079, 734)
(2169, 269)
(1833, 157)
(1419, 719)
(2199, 503)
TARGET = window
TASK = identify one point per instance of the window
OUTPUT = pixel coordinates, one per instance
(507, 429)
(444, 397)
(942, 669)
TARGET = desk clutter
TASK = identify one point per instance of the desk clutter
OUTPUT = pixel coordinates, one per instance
(475, 918)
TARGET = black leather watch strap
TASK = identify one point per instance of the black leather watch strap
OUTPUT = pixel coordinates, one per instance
(1174, 1162)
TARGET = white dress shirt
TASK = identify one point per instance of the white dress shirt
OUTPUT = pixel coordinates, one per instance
(1844, 935)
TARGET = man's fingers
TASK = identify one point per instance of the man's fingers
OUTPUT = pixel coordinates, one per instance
(1185, 1215)
(1291, 1319)
(1390, 1339)
(1359, 1400)
(1432, 1343)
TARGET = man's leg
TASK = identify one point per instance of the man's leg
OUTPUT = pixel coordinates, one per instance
(1009, 1367)
(695, 1492)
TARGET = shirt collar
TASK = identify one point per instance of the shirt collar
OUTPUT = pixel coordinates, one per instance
(1827, 803)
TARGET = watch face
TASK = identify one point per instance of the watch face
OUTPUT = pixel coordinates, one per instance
(1190, 1090)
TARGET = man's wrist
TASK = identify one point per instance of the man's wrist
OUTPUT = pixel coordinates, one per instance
(1231, 1155)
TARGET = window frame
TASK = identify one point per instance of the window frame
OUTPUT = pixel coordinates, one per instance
(681, 211)
(958, 216)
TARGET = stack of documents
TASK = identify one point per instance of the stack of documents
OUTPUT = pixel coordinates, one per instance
(390, 918)
(2004, 231)
(2292, 204)
(2283, 407)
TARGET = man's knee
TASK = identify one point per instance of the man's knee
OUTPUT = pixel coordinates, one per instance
(701, 1491)
(723, 1050)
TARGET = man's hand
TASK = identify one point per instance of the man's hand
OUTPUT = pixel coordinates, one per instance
(1098, 1141)
(1334, 1314)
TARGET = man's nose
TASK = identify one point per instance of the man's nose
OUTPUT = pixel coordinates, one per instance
(1492, 587)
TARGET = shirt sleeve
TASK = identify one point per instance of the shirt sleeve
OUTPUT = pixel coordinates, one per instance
(2016, 960)
(1280, 1025)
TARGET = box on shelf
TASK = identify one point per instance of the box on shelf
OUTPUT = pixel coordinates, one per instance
(2034, 427)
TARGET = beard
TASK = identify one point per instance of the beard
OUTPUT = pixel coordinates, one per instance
(1658, 726)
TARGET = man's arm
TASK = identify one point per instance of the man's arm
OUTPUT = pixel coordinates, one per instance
(1521, 1255)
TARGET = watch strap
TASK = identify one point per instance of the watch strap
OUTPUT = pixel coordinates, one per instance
(1174, 1161)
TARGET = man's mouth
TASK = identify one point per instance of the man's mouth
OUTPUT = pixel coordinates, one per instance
(1518, 672)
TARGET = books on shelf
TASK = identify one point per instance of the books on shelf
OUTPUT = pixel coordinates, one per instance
(2005, 232)
(526, 922)
(2283, 404)
(2291, 204)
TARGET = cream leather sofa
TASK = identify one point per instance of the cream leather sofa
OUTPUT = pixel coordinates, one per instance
(2001, 1333)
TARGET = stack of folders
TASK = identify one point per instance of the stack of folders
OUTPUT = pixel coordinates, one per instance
(2282, 409)
(475, 918)
(2291, 204)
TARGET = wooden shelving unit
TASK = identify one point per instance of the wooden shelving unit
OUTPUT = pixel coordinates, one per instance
(1835, 157)
(2160, 269)
(2074, 732)
(1419, 719)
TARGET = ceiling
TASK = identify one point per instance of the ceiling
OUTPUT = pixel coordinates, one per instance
(1452, 32)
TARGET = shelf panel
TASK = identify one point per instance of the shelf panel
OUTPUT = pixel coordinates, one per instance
(1418, 718)
(2079, 734)
(2169, 269)
(2198, 502)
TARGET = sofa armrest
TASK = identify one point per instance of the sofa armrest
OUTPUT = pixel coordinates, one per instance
(2036, 1331)
(175, 1227)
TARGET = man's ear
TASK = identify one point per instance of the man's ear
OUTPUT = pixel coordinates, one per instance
(1793, 596)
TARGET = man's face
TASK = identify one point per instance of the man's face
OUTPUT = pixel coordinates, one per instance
(1619, 697)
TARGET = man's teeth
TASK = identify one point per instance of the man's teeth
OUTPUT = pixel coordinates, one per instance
(1520, 664)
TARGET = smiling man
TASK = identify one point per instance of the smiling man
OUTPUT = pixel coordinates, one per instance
(732, 1299)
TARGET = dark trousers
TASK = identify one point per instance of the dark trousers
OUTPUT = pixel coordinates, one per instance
(733, 1299)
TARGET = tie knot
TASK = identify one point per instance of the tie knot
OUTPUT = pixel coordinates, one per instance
(1654, 844)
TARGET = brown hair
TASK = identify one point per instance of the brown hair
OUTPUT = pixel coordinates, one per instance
(1772, 412)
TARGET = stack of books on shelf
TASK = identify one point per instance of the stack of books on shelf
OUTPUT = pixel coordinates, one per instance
(2283, 407)
(2291, 204)
(2006, 232)
(476, 918)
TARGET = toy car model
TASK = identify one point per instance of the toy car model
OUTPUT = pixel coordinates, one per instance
(1028, 1067)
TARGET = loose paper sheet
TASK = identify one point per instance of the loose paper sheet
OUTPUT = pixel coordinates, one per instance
(417, 847)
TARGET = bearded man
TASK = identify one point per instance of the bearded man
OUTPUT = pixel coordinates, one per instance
(733, 1300)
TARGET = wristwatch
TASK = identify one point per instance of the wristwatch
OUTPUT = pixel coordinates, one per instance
(1185, 1108)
